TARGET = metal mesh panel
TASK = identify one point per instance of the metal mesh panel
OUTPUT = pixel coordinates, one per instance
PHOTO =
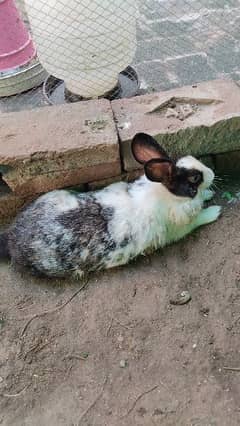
(175, 43)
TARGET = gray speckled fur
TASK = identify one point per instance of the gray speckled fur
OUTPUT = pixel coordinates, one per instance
(55, 244)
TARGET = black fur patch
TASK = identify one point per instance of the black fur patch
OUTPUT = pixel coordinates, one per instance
(182, 183)
(89, 227)
(4, 252)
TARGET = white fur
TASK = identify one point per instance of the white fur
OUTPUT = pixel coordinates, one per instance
(150, 216)
(62, 201)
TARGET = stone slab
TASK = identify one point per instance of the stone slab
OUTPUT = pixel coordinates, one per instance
(199, 120)
(59, 146)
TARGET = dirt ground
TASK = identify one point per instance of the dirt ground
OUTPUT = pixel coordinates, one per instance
(119, 354)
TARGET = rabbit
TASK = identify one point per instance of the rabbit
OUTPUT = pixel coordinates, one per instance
(65, 232)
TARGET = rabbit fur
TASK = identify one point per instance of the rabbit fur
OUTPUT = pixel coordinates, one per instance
(65, 232)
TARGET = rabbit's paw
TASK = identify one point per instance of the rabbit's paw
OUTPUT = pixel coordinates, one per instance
(207, 194)
(208, 215)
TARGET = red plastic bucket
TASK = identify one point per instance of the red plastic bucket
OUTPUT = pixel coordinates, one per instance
(16, 46)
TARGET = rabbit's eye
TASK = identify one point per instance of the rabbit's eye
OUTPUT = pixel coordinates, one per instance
(194, 179)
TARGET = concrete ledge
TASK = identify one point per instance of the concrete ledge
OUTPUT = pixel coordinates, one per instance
(27, 184)
(74, 144)
(198, 120)
(53, 147)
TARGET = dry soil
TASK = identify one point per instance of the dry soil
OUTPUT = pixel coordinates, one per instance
(119, 354)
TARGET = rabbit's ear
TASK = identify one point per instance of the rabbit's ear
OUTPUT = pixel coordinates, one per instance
(145, 148)
(160, 171)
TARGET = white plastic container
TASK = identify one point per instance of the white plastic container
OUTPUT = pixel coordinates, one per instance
(86, 43)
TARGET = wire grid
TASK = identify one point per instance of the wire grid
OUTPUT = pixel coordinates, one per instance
(178, 42)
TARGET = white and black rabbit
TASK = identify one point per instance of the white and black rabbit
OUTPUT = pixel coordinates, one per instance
(64, 232)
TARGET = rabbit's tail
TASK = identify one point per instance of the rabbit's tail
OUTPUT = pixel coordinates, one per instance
(4, 252)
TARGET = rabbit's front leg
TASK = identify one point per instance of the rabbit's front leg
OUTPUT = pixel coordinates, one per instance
(207, 215)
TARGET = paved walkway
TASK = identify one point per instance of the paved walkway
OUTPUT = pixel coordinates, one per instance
(185, 41)
(179, 42)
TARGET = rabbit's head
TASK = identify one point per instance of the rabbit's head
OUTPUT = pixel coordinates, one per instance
(183, 178)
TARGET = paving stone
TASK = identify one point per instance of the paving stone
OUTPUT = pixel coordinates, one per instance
(191, 68)
(218, 54)
(178, 29)
(158, 49)
(199, 120)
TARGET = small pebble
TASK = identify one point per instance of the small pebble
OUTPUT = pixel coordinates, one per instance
(182, 299)
(1, 379)
(123, 363)
(84, 355)
(204, 311)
